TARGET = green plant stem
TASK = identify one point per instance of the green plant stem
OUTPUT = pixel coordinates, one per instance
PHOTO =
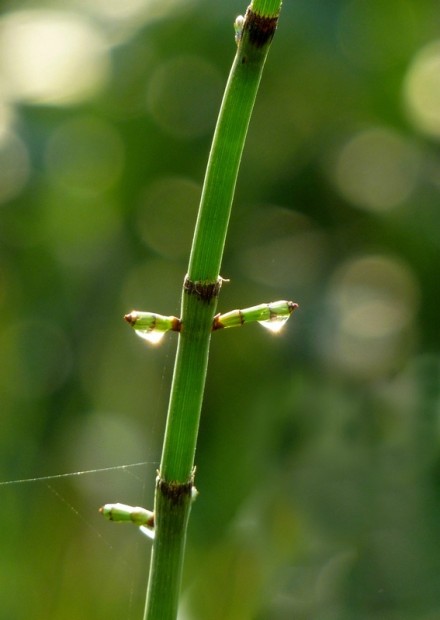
(199, 300)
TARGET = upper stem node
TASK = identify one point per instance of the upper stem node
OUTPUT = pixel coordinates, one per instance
(176, 492)
(261, 28)
(205, 290)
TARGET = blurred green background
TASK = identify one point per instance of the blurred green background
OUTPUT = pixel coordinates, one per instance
(318, 464)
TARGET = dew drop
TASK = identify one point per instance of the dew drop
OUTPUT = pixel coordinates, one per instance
(151, 336)
(147, 531)
(275, 324)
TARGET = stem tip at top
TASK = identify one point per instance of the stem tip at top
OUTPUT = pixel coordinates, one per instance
(266, 8)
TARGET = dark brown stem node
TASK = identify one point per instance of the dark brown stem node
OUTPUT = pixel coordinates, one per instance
(175, 492)
(261, 29)
(206, 291)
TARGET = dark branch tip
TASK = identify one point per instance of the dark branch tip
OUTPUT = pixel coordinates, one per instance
(292, 306)
(130, 318)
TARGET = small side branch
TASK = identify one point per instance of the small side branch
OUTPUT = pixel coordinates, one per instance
(275, 313)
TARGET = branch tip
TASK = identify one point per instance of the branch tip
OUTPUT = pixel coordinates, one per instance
(130, 318)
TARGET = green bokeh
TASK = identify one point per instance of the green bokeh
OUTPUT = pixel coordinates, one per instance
(318, 461)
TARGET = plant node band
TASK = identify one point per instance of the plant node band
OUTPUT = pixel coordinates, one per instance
(261, 29)
(206, 291)
(175, 492)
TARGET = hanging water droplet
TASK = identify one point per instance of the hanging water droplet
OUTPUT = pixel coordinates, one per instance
(147, 531)
(275, 324)
(151, 336)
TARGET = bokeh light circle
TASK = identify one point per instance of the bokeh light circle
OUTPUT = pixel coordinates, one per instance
(422, 90)
(377, 169)
(51, 57)
(373, 302)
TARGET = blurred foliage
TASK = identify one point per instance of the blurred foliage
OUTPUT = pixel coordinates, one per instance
(319, 459)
